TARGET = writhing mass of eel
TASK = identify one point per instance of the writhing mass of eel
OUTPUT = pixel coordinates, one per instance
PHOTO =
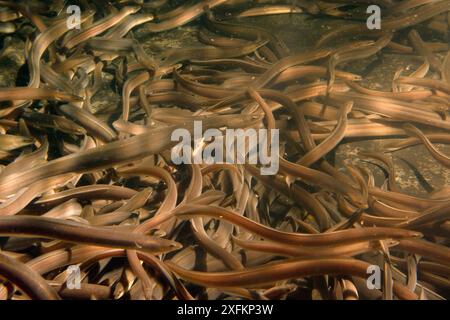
(80, 185)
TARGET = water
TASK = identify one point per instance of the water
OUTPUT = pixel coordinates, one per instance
(276, 201)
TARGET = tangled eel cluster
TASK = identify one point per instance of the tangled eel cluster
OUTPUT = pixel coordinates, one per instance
(89, 183)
